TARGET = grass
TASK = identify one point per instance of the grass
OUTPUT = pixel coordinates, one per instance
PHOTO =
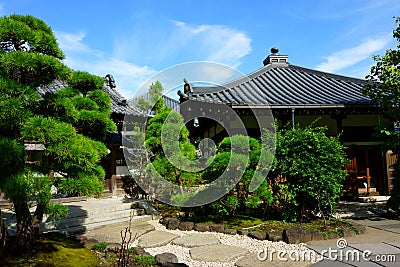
(54, 250)
(57, 250)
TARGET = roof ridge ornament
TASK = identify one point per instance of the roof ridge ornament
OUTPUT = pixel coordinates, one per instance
(275, 57)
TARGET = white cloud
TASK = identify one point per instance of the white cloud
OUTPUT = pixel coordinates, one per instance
(215, 42)
(349, 57)
(79, 56)
(72, 42)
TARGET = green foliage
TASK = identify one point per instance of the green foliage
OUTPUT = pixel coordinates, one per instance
(67, 123)
(19, 32)
(167, 139)
(310, 164)
(239, 156)
(156, 101)
(144, 260)
(31, 68)
(100, 246)
(85, 82)
(384, 90)
(84, 186)
(57, 212)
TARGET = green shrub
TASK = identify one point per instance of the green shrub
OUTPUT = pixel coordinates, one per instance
(100, 246)
(143, 260)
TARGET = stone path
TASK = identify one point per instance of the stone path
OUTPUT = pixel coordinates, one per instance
(218, 249)
(382, 239)
(201, 249)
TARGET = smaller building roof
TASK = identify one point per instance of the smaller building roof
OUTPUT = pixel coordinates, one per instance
(119, 104)
(280, 85)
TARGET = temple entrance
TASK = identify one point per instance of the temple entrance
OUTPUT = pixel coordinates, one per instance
(365, 169)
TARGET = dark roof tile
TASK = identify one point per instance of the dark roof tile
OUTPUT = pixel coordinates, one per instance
(286, 85)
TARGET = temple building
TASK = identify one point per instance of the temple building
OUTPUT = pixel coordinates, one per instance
(295, 95)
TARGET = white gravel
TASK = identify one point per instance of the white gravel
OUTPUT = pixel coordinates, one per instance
(252, 245)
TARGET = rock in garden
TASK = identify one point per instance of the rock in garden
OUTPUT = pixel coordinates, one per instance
(345, 232)
(172, 264)
(173, 224)
(274, 236)
(164, 258)
(140, 251)
(316, 235)
(361, 228)
(201, 227)
(219, 228)
(243, 232)
(296, 235)
(186, 226)
(258, 235)
(164, 221)
(332, 236)
(230, 231)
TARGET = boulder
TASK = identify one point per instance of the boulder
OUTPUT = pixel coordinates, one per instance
(186, 226)
(165, 258)
(274, 236)
(140, 251)
(219, 228)
(296, 235)
(201, 227)
(332, 236)
(173, 224)
(243, 232)
(258, 235)
(361, 228)
(174, 264)
(316, 235)
(346, 232)
(164, 220)
(230, 231)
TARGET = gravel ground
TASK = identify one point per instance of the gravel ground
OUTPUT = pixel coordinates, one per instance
(252, 245)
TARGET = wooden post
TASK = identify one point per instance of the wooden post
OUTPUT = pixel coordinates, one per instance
(368, 174)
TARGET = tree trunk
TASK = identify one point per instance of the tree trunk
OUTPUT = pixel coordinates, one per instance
(51, 168)
(38, 218)
(178, 180)
(25, 233)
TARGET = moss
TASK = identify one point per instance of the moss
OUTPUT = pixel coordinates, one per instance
(54, 250)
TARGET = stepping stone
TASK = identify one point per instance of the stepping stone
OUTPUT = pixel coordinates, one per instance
(112, 233)
(251, 260)
(218, 252)
(156, 239)
(195, 240)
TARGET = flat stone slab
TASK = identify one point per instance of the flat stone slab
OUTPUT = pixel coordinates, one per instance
(377, 248)
(251, 260)
(112, 233)
(195, 240)
(156, 239)
(218, 252)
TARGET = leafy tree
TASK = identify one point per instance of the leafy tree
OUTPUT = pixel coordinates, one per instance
(168, 152)
(69, 123)
(384, 89)
(245, 161)
(307, 172)
(156, 101)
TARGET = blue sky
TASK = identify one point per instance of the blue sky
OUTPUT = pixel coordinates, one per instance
(134, 40)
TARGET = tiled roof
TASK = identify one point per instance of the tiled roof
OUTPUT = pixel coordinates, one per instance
(285, 85)
(119, 104)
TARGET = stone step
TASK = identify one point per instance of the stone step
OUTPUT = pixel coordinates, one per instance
(94, 218)
(83, 228)
(79, 211)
